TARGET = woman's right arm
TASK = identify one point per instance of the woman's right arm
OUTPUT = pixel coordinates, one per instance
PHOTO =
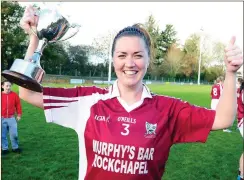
(29, 19)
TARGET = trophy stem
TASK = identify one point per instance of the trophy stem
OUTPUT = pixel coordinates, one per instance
(41, 45)
(38, 52)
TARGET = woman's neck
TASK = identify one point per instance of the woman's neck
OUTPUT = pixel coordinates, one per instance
(131, 95)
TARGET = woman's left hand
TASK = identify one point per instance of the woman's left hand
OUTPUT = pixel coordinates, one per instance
(233, 56)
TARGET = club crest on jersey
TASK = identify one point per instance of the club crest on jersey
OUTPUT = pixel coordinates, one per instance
(150, 130)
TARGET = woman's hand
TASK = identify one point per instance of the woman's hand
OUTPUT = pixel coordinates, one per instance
(29, 20)
(233, 57)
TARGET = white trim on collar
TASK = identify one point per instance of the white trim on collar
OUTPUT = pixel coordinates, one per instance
(114, 91)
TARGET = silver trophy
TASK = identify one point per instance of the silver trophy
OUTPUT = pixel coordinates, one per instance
(52, 27)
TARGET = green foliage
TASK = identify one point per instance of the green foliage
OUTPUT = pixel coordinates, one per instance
(13, 38)
(213, 72)
(166, 38)
(162, 40)
(54, 56)
(172, 62)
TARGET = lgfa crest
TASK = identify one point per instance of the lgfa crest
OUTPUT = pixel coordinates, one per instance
(150, 130)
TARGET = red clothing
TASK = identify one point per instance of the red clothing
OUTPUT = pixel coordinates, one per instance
(120, 144)
(240, 105)
(10, 105)
(216, 91)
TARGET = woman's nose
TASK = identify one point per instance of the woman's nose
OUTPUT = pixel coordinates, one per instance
(130, 62)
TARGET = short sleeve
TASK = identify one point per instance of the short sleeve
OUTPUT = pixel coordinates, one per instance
(190, 123)
(242, 96)
(69, 107)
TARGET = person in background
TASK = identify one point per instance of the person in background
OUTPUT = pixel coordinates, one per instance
(240, 116)
(216, 92)
(10, 105)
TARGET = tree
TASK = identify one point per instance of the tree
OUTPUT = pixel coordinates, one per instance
(101, 51)
(213, 72)
(192, 50)
(172, 62)
(13, 39)
(54, 58)
(162, 40)
(78, 60)
(102, 46)
(190, 60)
(166, 38)
(152, 28)
(217, 56)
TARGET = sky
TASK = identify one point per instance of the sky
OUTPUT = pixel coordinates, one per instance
(220, 20)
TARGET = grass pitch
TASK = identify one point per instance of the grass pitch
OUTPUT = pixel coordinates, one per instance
(50, 152)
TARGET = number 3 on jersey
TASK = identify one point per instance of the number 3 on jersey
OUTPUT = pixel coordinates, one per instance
(126, 129)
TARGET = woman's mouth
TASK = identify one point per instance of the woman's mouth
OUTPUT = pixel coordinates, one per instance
(130, 72)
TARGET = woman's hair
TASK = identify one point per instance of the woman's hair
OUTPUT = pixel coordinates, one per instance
(138, 31)
(220, 79)
(241, 81)
(3, 82)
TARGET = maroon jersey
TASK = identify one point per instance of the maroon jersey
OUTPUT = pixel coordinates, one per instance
(216, 91)
(122, 142)
(240, 105)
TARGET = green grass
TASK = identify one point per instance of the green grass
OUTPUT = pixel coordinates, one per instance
(50, 152)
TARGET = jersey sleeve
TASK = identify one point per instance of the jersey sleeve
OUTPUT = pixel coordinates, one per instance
(242, 95)
(69, 107)
(190, 123)
(18, 105)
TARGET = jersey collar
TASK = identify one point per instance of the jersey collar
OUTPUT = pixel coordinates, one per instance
(114, 91)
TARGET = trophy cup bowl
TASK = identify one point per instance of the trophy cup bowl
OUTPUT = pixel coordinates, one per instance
(52, 27)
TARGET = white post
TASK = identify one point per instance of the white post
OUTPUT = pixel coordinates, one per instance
(110, 61)
(200, 57)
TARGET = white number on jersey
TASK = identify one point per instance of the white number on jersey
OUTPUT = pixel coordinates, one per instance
(126, 129)
(215, 91)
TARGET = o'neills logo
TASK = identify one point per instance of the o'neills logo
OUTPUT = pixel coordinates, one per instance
(127, 120)
(102, 118)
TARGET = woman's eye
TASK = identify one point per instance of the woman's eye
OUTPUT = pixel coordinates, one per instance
(121, 56)
(138, 56)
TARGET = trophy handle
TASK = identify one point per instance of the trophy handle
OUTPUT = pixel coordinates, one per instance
(77, 27)
(33, 31)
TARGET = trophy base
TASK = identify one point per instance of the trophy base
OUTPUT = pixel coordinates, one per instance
(22, 80)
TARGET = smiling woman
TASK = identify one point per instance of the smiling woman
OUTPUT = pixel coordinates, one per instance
(125, 132)
(131, 51)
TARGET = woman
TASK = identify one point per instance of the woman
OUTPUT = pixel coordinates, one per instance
(10, 104)
(216, 92)
(240, 116)
(124, 131)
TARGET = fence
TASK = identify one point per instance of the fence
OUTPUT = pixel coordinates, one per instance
(50, 78)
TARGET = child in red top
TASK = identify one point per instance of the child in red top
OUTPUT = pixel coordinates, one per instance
(10, 104)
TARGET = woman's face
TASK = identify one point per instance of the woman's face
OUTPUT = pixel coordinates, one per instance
(130, 60)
